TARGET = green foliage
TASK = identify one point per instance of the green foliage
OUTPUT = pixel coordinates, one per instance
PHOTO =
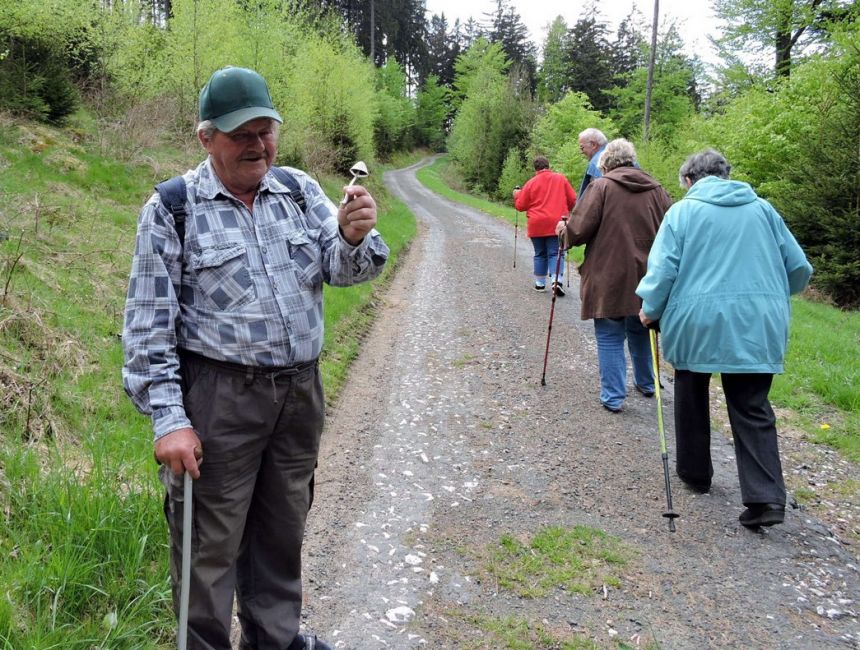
(329, 101)
(556, 134)
(45, 45)
(673, 92)
(431, 114)
(493, 117)
(395, 117)
(552, 78)
(515, 173)
(481, 59)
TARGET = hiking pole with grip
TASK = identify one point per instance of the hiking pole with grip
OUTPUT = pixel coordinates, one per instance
(551, 312)
(670, 514)
(516, 229)
(185, 584)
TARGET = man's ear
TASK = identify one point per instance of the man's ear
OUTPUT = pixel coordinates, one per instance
(203, 140)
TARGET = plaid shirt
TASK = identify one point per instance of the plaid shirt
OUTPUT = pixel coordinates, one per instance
(247, 289)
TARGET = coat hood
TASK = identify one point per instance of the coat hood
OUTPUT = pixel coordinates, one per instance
(632, 179)
(721, 191)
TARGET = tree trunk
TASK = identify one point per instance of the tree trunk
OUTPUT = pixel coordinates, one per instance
(650, 83)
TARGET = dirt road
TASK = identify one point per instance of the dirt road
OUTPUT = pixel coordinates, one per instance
(444, 441)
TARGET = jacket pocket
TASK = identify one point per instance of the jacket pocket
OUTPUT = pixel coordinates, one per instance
(223, 277)
(306, 256)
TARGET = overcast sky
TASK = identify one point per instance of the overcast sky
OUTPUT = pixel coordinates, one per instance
(695, 18)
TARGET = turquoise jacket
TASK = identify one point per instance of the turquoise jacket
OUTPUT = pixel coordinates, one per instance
(720, 274)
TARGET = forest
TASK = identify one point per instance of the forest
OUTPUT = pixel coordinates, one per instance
(368, 78)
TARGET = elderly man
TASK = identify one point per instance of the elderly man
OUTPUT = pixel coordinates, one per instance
(223, 330)
(592, 142)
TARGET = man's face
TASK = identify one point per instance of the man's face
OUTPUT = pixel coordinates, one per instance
(242, 157)
(588, 148)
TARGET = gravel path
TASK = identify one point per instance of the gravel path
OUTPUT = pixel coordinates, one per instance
(444, 440)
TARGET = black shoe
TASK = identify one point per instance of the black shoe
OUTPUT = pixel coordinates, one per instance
(762, 514)
(611, 409)
(645, 393)
(558, 289)
(308, 642)
(540, 287)
(699, 487)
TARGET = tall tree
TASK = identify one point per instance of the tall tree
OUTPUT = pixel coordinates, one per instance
(507, 28)
(552, 78)
(588, 60)
(779, 26)
(443, 48)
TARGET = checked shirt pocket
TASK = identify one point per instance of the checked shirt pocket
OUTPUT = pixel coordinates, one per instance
(223, 277)
(306, 255)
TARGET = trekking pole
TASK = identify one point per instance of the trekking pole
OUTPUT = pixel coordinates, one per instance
(551, 312)
(516, 229)
(185, 584)
(567, 272)
(670, 514)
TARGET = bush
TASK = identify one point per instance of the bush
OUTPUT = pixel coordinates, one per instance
(35, 80)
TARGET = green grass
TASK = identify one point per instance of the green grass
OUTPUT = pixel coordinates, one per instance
(83, 543)
(821, 384)
(441, 177)
(579, 560)
(511, 633)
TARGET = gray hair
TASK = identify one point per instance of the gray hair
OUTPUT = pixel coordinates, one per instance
(618, 153)
(207, 128)
(709, 162)
(594, 135)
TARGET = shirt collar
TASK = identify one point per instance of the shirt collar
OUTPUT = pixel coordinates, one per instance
(209, 185)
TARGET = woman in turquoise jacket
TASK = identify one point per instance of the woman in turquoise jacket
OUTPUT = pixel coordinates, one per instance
(720, 274)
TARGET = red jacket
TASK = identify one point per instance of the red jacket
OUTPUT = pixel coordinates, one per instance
(545, 198)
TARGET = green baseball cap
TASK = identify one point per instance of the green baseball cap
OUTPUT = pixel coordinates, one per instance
(233, 96)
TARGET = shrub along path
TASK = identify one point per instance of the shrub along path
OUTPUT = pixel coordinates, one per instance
(459, 504)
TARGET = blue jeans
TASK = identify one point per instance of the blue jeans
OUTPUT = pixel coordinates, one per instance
(546, 256)
(611, 334)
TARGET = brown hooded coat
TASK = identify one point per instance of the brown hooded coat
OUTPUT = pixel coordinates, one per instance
(617, 220)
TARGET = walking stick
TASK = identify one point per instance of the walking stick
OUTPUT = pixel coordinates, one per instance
(186, 563)
(516, 229)
(670, 514)
(551, 312)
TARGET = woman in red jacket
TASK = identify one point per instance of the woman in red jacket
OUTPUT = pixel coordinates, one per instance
(546, 198)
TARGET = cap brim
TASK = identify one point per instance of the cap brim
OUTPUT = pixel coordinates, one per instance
(232, 121)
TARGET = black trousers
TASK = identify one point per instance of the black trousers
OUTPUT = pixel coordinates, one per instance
(261, 435)
(753, 430)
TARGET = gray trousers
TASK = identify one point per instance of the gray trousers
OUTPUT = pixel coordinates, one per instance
(753, 430)
(261, 435)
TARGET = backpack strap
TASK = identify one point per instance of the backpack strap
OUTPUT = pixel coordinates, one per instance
(286, 178)
(173, 197)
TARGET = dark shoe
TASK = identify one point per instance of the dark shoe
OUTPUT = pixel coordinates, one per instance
(611, 409)
(558, 289)
(645, 393)
(308, 642)
(762, 514)
(697, 486)
(540, 287)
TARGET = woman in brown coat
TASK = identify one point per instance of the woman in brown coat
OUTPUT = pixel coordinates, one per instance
(617, 220)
